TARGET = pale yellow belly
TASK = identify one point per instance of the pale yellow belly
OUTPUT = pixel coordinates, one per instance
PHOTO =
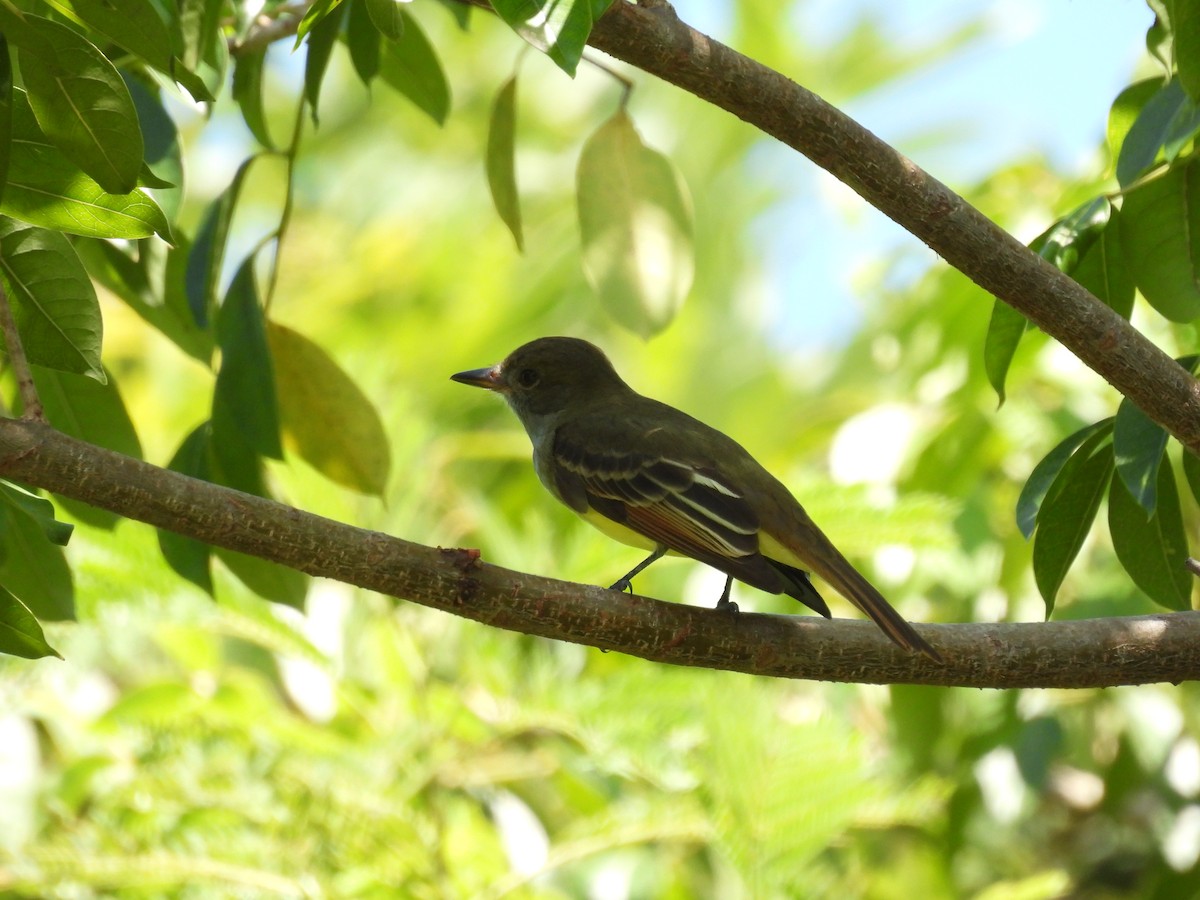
(772, 549)
(617, 531)
(767, 545)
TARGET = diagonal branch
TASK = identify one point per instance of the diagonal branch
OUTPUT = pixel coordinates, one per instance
(1088, 653)
(652, 38)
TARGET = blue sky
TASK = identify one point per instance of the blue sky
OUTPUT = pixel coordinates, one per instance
(1040, 81)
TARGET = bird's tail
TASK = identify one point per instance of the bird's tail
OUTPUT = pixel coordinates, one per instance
(810, 546)
(854, 587)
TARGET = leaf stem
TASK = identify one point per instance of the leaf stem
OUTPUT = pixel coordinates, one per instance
(30, 402)
(626, 83)
(285, 216)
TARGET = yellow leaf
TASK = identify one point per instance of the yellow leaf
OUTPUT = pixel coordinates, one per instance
(326, 418)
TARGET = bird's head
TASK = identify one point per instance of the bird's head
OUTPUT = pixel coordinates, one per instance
(548, 376)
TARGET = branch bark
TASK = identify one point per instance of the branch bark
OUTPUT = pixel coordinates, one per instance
(653, 38)
(1087, 653)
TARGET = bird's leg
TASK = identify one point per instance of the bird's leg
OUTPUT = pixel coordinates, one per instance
(626, 583)
(725, 604)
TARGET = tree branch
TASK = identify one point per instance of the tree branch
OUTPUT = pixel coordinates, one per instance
(652, 38)
(1088, 653)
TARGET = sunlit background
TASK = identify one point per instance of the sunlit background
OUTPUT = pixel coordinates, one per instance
(365, 747)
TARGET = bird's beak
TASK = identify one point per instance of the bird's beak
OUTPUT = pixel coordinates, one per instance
(485, 378)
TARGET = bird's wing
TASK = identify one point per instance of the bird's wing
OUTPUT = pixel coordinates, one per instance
(688, 508)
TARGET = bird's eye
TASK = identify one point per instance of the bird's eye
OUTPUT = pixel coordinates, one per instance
(527, 378)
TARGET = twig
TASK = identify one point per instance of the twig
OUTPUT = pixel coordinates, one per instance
(626, 83)
(30, 402)
(289, 199)
(283, 22)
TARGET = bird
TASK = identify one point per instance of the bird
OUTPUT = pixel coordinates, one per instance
(652, 476)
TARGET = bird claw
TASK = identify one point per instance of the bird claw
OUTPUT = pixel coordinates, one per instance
(725, 604)
(623, 585)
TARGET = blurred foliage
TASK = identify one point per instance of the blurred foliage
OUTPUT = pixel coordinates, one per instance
(359, 747)
(1150, 245)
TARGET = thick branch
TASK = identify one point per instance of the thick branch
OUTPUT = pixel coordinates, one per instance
(1090, 653)
(653, 38)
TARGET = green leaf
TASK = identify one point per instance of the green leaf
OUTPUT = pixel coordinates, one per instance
(559, 28)
(6, 115)
(1103, 271)
(411, 66)
(1125, 111)
(1191, 471)
(1153, 550)
(32, 567)
(1187, 44)
(193, 83)
(54, 303)
(313, 17)
(235, 463)
(501, 159)
(1160, 37)
(151, 706)
(1169, 118)
(1067, 240)
(152, 285)
(244, 397)
(388, 17)
(460, 11)
(248, 93)
(164, 156)
(134, 25)
(1184, 126)
(321, 38)
(1038, 748)
(1006, 327)
(315, 392)
(635, 216)
(190, 558)
(82, 104)
(40, 510)
(205, 55)
(1067, 512)
(1138, 447)
(203, 275)
(46, 189)
(1160, 236)
(364, 41)
(1046, 472)
(20, 632)
(269, 580)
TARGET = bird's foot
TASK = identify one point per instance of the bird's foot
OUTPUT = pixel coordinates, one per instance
(725, 604)
(623, 585)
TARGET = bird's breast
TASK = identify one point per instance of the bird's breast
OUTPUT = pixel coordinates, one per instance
(617, 531)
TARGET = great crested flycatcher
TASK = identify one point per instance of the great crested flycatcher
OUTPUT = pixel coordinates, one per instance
(651, 476)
